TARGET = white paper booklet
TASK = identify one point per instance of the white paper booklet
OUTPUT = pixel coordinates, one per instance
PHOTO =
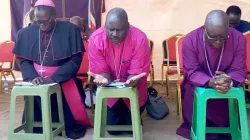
(115, 85)
(30, 84)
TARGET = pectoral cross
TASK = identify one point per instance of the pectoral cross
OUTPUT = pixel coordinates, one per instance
(41, 71)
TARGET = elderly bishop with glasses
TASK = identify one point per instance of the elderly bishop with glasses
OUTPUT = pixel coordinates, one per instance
(214, 56)
(50, 51)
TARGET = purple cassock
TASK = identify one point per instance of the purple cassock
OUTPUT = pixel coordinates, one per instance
(196, 73)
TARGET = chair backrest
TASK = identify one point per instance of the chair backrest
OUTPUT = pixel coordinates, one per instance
(85, 61)
(179, 56)
(247, 35)
(6, 54)
(168, 47)
(151, 45)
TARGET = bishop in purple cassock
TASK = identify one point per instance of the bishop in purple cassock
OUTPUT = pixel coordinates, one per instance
(210, 49)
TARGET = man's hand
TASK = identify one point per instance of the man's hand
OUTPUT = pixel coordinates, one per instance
(221, 82)
(42, 81)
(219, 72)
(134, 80)
(37, 81)
(100, 79)
(48, 81)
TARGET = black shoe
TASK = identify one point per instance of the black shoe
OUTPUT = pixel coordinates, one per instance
(211, 136)
(225, 137)
(114, 133)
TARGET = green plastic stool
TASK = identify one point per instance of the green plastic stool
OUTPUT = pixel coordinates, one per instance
(45, 93)
(199, 129)
(100, 126)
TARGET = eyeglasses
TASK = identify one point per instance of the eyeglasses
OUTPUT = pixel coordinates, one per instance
(43, 21)
(215, 39)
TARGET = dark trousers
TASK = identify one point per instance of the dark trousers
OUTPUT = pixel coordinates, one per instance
(119, 114)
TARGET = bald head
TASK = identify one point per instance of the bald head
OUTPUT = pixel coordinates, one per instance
(216, 27)
(217, 18)
(117, 14)
(78, 21)
(117, 25)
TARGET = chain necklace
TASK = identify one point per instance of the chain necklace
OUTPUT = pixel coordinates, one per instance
(206, 57)
(42, 59)
(118, 73)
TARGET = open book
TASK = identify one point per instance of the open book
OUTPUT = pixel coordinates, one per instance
(30, 84)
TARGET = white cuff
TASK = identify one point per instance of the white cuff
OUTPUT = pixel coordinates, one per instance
(232, 83)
